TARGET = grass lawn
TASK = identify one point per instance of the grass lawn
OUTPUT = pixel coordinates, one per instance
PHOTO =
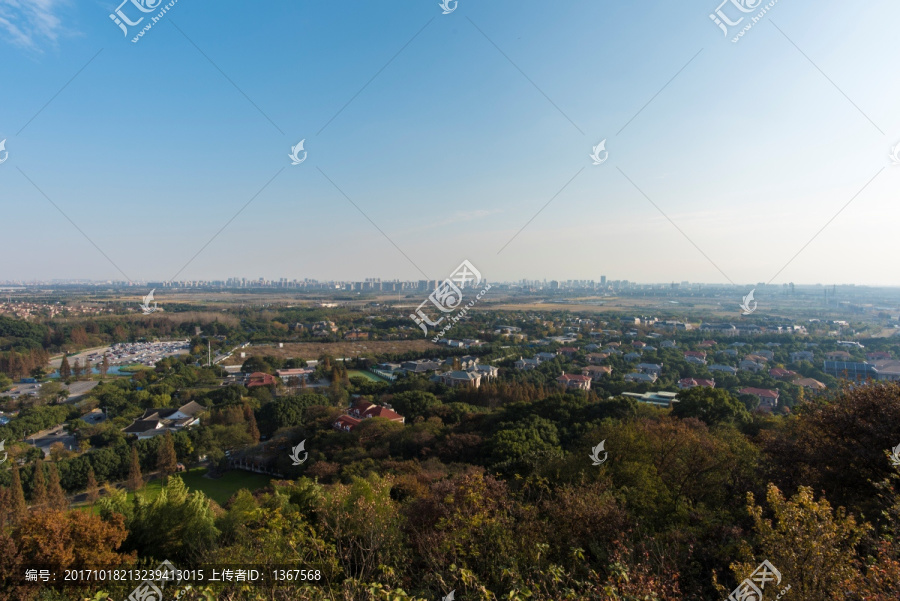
(356, 373)
(219, 489)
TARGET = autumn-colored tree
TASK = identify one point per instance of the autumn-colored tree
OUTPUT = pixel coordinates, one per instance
(76, 368)
(74, 539)
(65, 370)
(88, 369)
(104, 366)
(166, 460)
(135, 478)
(56, 497)
(93, 489)
(253, 429)
(16, 500)
(809, 543)
(38, 485)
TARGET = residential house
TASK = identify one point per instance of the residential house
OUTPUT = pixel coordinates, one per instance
(757, 358)
(632, 356)
(572, 381)
(695, 360)
(769, 355)
(767, 398)
(838, 356)
(488, 372)
(159, 421)
(650, 368)
(638, 344)
(695, 354)
(420, 366)
(878, 355)
(470, 379)
(707, 344)
(362, 410)
(686, 383)
(259, 378)
(597, 358)
(568, 351)
(748, 365)
(782, 374)
(641, 378)
(667, 344)
(527, 364)
(801, 356)
(595, 372)
(723, 368)
(546, 356)
(731, 352)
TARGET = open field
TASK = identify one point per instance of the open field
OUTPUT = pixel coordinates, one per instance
(219, 489)
(313, 350)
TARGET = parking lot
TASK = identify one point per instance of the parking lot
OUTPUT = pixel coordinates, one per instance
(141, 353)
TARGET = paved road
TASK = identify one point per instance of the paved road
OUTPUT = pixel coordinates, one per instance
(45, 438)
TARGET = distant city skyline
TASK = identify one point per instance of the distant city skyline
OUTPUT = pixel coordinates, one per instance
(340, 140)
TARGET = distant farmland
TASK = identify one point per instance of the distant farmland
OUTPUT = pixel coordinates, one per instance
(313, 350)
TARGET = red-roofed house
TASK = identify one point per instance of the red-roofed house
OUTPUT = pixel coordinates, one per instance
(568, 351)
(778, 372)
(574, 381)
(767, 398)
(878, 355)
(686, 383)
(346, 423)
(363, 410)
(696, 354)
(260, 379)
(708, 343)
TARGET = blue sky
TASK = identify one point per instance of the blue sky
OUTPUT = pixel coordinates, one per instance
(451, 149)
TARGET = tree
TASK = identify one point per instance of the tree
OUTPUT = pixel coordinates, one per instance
(65, 371)
(38, 485)
(76, 368)
(52, 392)
(104, 366)
(88, 369)
(71, 539)
(56, 497)
(810, 544)
(93, 490)
(135, 479)
(413, 403)
(711, 405)
(166, 460)
(177, 524)
(251, 421)
(16, 499)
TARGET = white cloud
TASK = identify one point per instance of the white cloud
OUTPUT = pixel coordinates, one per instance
(31, 22)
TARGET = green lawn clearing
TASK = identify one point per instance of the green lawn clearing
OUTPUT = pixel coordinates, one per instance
(357, 373)
(218, 489)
